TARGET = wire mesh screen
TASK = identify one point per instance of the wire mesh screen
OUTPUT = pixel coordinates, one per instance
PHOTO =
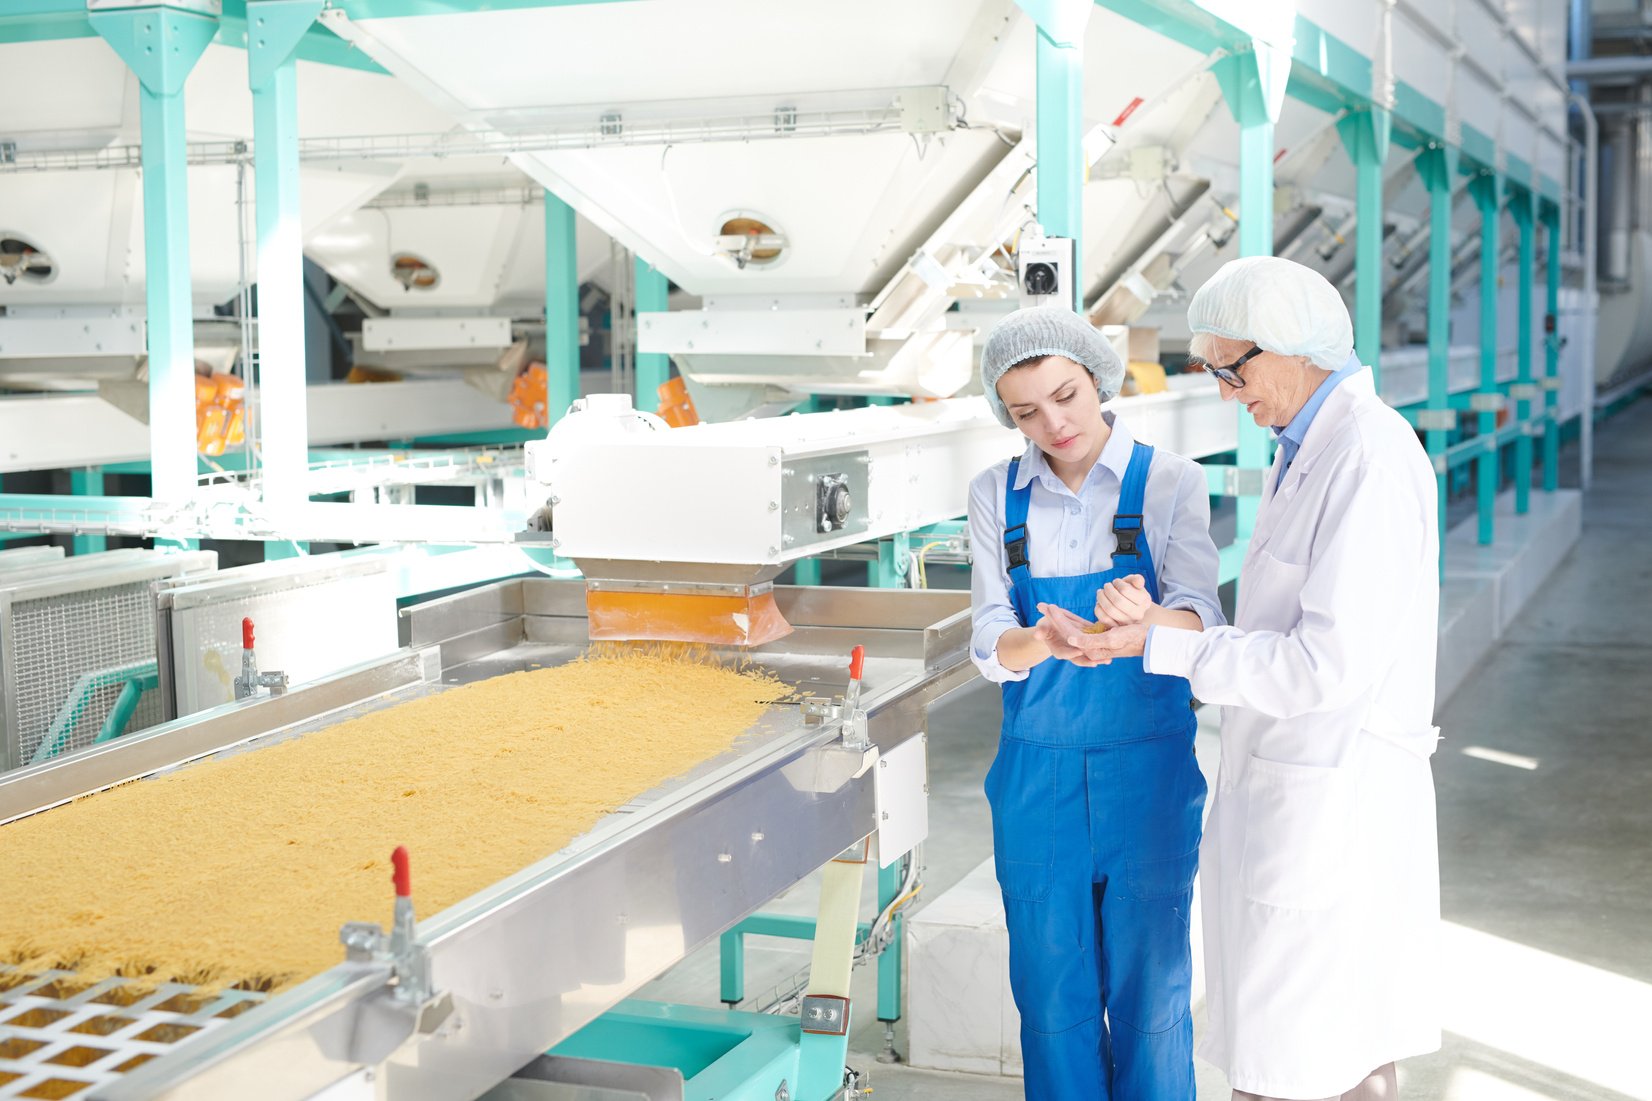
(57, 641)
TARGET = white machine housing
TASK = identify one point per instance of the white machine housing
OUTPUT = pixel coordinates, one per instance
(752, 492)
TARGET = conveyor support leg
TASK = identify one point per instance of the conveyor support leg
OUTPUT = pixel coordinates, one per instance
(821, 1056)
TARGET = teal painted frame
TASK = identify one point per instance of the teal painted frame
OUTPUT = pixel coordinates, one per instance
(561, 309)
(653, 368)
(55, 20)
(1523, 206)
(275, 29)
(1437, 165)
(1550, 214)
(1487, 190)
(161, 46)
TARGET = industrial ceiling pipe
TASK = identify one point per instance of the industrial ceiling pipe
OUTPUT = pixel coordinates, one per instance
(1604, 69)
(1591, 206)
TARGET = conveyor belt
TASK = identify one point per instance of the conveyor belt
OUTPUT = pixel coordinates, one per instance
(59, 1037)
(523, 964)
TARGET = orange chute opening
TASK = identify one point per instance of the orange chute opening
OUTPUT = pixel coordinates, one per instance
(708, 619)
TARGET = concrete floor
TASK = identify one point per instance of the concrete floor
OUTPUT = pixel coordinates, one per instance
(1545, 849)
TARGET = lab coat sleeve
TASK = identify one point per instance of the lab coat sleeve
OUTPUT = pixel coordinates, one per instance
(1365, 561)
(989, 584)
(1187, 576)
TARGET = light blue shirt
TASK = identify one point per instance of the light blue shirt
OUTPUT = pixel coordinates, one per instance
(1072, 533)
(1292, 435)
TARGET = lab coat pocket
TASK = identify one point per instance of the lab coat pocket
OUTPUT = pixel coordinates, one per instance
(1299, 834)
(1020, 790)
(1270, 593)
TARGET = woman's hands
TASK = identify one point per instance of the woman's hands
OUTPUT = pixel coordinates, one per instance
(1057, 629)
(1123, 601)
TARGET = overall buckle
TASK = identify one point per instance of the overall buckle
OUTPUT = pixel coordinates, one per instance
(1127, 536)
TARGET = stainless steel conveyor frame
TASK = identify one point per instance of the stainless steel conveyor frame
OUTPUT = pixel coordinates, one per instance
(525, 963)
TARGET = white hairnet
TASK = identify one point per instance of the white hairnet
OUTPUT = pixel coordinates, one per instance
(1047, 331)
(1278, 305)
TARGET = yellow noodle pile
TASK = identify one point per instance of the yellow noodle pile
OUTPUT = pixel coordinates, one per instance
(241, 870)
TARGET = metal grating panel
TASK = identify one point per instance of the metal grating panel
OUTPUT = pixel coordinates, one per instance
(59, 1037)
(58, 639)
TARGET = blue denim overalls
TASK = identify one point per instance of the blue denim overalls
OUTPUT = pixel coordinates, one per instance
(1096, 801)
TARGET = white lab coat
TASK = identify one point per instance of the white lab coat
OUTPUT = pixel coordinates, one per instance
(1319, 867)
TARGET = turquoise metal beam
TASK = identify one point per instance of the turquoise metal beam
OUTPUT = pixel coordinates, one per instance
(1522, 204)
(274, 28)
(43, 20)
(87, 482)
(561, 309)
(55, 20)
(1486, 188)
(1437, 166)
(1423, 117)
(397, 9)
(161, 46)
(1060, 129)
(1551, 349)
(318, 43)
(894, 560)
(890, 880)
(1253, 84)
(1327, 69)
(653, 368)
(1366, 134)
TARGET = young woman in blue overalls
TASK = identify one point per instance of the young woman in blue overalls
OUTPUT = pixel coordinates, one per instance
(1095, 793)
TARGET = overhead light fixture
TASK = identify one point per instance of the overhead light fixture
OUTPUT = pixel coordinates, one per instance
(747, 240)
(22, 259)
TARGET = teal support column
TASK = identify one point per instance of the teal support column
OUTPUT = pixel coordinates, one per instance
(1365, 134)
(889, 960)
(273, 30)
(1551, 350)
(1522, 204)
(561, 309)
(1060, 126)
(161, 45)
(1437, 166)
(894, 559)
(1487, 189)
(653, 368)
(87, 482)
(806, 571)
(1253, 84)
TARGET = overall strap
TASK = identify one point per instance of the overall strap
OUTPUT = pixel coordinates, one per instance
(1016, 503)
(1127, 522)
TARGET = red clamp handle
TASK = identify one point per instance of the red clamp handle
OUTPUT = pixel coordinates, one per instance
(857, 660)
(403, 875)
(246, 633)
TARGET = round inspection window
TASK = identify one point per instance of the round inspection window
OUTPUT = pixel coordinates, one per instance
(23, 261)
(414, 273)
(750, 241)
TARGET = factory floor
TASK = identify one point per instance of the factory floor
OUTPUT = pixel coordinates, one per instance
(1545, 838)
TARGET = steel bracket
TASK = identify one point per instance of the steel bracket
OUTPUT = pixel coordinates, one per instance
(825, 1014)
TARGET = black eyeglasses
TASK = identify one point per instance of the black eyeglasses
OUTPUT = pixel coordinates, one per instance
(1230, 373)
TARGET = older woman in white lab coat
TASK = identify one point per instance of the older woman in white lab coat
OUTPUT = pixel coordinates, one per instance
(1319, 863)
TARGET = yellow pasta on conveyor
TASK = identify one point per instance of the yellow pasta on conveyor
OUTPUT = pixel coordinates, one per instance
(240, 870)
